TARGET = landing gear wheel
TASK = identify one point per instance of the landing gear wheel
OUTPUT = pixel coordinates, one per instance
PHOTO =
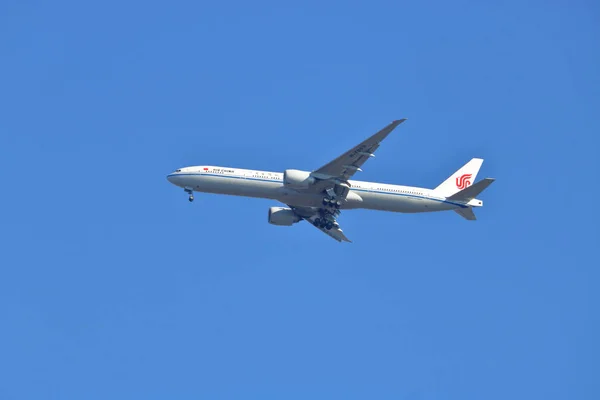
(327, 202)
(191, 198)
(318, 222)
(329, 226)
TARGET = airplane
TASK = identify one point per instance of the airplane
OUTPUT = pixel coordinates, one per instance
(319, 196)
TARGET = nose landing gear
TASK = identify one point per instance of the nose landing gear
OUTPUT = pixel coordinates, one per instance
(191, 193)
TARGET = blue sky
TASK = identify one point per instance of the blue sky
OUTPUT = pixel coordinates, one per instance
(113, 286)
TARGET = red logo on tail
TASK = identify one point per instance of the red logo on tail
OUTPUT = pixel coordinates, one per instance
(463, 181)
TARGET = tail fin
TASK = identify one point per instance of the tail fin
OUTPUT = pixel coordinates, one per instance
(460, 179)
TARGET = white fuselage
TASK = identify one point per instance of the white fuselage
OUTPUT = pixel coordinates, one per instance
(269, 185)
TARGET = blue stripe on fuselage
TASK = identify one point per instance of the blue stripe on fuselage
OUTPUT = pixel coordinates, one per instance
(353, 189)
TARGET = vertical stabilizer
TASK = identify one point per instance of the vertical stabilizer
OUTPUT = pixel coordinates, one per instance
(461, 179)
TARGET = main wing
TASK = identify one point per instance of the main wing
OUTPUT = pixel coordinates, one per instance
(346, 165)
(332, 181)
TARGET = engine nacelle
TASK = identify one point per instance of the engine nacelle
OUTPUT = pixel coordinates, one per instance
(297, 179)
(282, 216)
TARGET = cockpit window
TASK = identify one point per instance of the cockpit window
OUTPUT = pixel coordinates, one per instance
(177, 170)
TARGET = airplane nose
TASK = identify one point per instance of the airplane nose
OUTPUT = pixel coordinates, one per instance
(175, 177)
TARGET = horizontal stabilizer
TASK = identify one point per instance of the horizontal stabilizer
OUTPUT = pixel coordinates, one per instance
(466, 213)
(472, 191)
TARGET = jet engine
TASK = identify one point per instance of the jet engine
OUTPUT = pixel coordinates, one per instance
(282, 216)
(297, 179)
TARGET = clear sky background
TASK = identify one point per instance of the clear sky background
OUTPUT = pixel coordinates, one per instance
(113, 286)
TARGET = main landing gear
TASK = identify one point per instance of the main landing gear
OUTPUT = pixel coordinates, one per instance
(191, 193)
(324, 223)
(326, 220)
(333, 203)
